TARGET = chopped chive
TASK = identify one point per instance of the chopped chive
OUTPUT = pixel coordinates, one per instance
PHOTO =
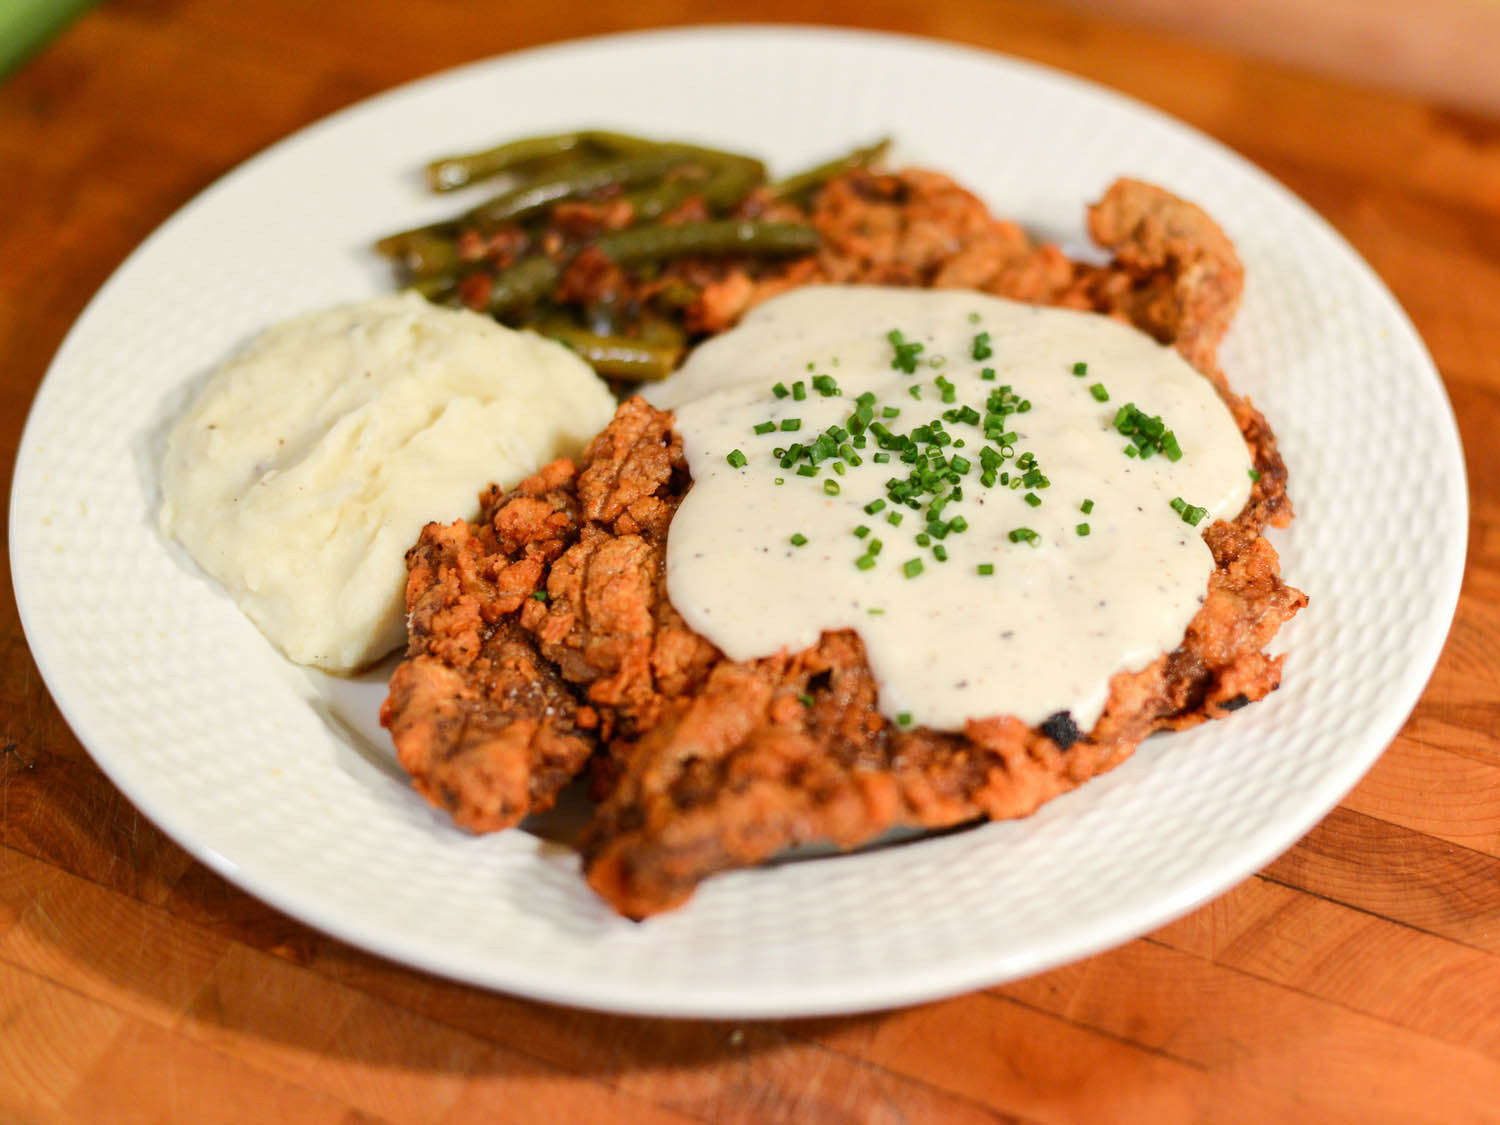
(987, 373)
(915, 390)
(806, 471)
(940, 553)
(1082, 529)
(865, 562)
(905, 352)
(830, 486)
(882, 458)
(904, 719)
(805, 699)
(1255, 474)
(911, 568)
(1147, 432)
(1023, 535)
(1099, 393)
(1080, 368)
(1033, 499)
(875, 611)
(838, 467)
(981, 348)
(1086, 507)
(861, 531)
(780, 391)
(1190, 513)
(798, 540)
(799, 390)
(736, 459)
(985, 568)
(894, 518)
(890, 411)
(540, 595)
(791, 425)
(764, 427)
(874, 506)
(779, 480)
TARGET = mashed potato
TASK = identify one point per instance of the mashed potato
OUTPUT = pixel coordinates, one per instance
(311, 460)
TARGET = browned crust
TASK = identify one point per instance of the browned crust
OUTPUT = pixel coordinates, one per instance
(710, 764)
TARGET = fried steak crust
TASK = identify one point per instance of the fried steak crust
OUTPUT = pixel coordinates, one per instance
(542, 637)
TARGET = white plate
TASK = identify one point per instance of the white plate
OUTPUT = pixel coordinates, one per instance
(282, 781)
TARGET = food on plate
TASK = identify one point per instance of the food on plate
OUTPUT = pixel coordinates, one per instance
(551, 634)
(608, 242)
(946, 473)
(308, 463)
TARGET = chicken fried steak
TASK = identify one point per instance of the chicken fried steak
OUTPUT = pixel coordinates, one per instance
(541, 636)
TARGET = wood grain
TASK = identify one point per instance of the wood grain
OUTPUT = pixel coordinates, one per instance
(1357, 978)
(1441, 50)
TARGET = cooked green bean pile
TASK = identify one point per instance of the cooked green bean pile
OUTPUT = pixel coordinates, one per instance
(604, 241)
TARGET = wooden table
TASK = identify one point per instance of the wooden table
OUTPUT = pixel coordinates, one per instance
(1357, 977)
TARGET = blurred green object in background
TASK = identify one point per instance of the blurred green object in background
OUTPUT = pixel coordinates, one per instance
(27, 25)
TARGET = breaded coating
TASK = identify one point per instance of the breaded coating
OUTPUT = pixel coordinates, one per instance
(742, 767)
(706, 764)
(1174, 273)
(487, 729)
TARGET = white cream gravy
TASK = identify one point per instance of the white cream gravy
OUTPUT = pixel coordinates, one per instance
(1059, 616)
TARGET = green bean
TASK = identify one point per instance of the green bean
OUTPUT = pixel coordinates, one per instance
(732, 179)
(395, 245)
(449, 173)
(556, 183)
(435, 289)
(718, 236)
(651, 203)
(803, 182)
(522, 283)
(725, 184)
(660, 332)
(533, 278)
(675, 295)
(533, 197)
(429, 255)
(617, 356)
(568, 165)
(694, 153)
